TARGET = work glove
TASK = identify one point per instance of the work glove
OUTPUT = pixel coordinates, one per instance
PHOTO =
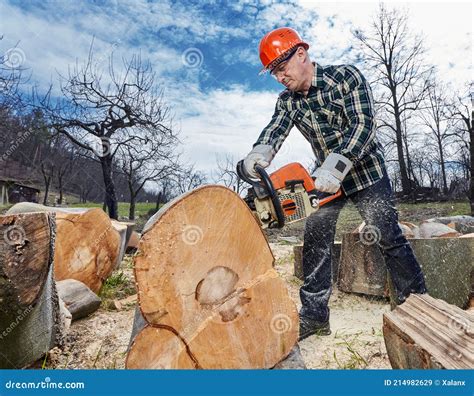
(331, 173)
(262, 154)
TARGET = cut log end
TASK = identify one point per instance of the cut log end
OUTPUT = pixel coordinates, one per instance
(207, 289)
(428, 333)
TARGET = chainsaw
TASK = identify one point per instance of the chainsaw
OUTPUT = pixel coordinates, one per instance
(286, 196)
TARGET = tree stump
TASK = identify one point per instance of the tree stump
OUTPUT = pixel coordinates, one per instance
(361, 266)
(30, 320)
(87, 245)
(427, 333)
(208, 294)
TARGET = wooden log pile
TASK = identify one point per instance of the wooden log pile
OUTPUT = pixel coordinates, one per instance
(88, 247)
(444, 253)
(208, 294)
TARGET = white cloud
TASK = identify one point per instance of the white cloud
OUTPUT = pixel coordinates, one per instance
(229, 122)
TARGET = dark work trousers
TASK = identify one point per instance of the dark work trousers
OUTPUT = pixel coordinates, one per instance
(375, 205)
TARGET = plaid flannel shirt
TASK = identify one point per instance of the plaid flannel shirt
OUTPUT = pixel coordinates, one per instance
(336, 116)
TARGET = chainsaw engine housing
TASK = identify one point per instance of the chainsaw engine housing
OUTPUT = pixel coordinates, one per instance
(296, 194)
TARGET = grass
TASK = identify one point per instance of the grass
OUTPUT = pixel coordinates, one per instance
(141, 208)
(117, 286)
(353, 358)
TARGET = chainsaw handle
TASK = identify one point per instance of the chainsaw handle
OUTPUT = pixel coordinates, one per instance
(326, 200)
(267, 182)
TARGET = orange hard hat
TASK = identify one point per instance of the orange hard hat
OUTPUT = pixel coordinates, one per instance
(276, 45)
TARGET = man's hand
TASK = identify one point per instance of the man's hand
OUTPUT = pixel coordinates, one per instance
(262, 154)
(331, 173)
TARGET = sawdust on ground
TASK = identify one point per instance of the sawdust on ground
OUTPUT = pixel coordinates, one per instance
(101, 340)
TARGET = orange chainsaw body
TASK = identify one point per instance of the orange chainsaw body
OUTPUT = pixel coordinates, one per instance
(292, 171)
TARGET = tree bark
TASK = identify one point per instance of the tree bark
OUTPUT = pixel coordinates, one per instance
(30, 317)
(79, 299)
(406, 187)
(131, 211)
(110, 195)
(208, 293)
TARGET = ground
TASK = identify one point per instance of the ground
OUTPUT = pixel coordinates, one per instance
(101, 340)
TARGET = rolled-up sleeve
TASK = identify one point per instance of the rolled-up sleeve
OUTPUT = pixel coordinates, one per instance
(359, 110)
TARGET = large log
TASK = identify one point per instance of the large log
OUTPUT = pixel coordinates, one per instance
(446, 262)
(207, 290)
(88, 247)
(30, 318)
(428, 333)
(361, 266)
(430, 229)
(462, 223)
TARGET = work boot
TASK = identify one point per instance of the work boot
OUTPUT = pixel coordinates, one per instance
(310, 326)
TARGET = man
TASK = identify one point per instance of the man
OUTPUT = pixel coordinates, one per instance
(333, 108)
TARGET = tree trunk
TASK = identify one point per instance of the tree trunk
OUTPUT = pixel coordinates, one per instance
(131, 211)
(60, 187)
(47, 182)
(443, 168)
(208, 294)
(87, 245)
(30, 317)
(428, 333)
(406, 188)
(158, 200)
(471, 147)
(110, 195)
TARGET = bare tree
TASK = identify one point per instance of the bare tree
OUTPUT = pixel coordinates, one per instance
(397, 60)
(147, 159)
(47, 170)
(188, 178)
(11, 77)
(433, 116)
(100, 114)
(226, 173)
(462, 113)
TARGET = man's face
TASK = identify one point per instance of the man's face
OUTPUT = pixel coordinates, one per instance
(290, 73)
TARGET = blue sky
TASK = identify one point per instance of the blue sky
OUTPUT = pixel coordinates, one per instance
(206, 54)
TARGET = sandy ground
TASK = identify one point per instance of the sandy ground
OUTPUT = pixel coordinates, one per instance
(101, 340)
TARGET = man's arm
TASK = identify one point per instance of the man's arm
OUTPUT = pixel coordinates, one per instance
(277, 129)
(359, 109)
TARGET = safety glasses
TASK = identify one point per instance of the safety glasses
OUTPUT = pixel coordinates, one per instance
(281, 67)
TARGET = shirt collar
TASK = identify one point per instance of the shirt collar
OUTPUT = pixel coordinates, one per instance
(318, 80)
